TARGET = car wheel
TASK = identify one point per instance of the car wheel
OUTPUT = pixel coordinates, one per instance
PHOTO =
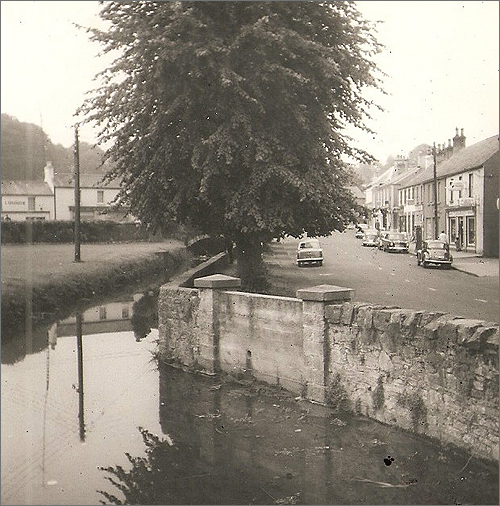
(418, 261)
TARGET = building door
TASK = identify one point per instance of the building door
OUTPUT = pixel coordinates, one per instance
(453, 230)
(459, 241)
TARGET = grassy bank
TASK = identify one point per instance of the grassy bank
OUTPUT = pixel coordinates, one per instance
(41, 281)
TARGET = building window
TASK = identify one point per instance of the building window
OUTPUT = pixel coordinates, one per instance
(100, 196)
(471, 182)
(471, 231)
(429, 198)
(102, 313)
(125, 313)
(460, 191)
(439, 192)
(31, 203)
(412, 192)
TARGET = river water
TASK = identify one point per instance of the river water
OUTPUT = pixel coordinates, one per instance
(88, 415)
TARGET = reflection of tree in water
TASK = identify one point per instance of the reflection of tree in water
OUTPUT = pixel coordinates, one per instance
(145, 314)
(175, 473)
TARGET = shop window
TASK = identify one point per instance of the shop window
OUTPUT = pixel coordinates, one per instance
(471, 231)
(31, 203)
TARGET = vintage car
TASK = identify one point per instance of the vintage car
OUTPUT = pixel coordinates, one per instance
(381, 235)
(434, 252)
(309, 252)
(361, 228)
(394, 241)
(370, 238)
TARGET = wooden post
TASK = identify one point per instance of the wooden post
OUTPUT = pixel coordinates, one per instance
(77, 198)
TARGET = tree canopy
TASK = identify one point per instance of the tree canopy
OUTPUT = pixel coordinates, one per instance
(231, 115)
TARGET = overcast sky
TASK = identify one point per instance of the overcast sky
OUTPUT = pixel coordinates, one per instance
(441, 59)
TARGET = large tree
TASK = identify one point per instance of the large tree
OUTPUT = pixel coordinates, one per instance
(231, 115)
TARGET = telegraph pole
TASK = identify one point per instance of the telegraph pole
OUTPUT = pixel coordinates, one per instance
(436, 223)
(77, 198)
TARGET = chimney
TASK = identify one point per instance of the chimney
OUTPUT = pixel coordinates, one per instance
(458, 141)
(49, 175)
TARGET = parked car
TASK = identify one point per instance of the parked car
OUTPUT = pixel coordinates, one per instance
(370, 238)
(360, 230)
(434, 252)
(395, 241)
(381, 236)
(309, 252)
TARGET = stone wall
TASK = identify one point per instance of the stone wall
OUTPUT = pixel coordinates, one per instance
(431, 373)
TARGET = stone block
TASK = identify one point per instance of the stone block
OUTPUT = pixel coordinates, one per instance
(333, 313)
(217, 281)
(381, 319)
(325, 293)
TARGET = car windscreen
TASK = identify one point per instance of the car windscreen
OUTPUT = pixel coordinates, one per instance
(397, 237)
(309, 244)
(371, 236)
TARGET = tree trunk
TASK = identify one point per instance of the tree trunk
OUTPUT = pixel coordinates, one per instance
(251, 268)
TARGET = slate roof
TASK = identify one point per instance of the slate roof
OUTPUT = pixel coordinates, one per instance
(66, 180)
(25, 188)
(466, 159)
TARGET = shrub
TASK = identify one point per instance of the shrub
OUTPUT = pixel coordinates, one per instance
(32, 232)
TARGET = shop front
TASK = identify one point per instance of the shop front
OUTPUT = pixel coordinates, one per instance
(462, 228)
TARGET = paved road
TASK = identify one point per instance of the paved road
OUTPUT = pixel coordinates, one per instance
(387, 278)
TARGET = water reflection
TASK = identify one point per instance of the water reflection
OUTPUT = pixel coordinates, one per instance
(230, 444)
(72, 398)
(137, 313)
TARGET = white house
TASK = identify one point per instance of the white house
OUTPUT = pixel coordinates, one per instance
(96, 197)
(27, 200)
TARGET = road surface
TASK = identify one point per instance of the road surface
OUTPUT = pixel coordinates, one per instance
(386, 278)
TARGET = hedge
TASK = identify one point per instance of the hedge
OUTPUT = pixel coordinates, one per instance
(41, 231)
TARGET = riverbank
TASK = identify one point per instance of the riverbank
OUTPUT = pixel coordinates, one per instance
(41, 280)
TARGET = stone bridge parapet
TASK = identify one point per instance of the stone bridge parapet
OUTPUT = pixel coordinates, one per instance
(428, 372)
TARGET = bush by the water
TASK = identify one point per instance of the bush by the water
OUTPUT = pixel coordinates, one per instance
(41, 231)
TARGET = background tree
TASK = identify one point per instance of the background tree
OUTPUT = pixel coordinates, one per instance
(230, 115)
(26, 148)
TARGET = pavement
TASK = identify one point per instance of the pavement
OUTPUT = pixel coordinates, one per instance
(469, 262)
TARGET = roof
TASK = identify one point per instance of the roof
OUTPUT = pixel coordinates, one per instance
(466, 159)
(66, 180)
(25, 188)
(469, 158)
(358, 194)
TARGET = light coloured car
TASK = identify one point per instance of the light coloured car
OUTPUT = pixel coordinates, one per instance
(309, 251)
(434, 252)
(370, 238)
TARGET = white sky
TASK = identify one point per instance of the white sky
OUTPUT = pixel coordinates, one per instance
(442, 61)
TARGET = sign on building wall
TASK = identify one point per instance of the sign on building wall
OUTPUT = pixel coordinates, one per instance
(14, 203)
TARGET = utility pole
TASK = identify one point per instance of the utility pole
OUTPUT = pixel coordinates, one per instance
(77, 198)
(436, 223)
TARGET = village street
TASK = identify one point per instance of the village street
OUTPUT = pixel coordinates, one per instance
(386, 278)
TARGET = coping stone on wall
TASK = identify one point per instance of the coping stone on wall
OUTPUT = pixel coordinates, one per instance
(325, 293)
(217, 281)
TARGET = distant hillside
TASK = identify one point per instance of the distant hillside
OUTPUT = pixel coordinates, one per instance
(25, 148)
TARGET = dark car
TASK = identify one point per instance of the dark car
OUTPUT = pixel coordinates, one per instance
(434, 252)
(395, 241)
